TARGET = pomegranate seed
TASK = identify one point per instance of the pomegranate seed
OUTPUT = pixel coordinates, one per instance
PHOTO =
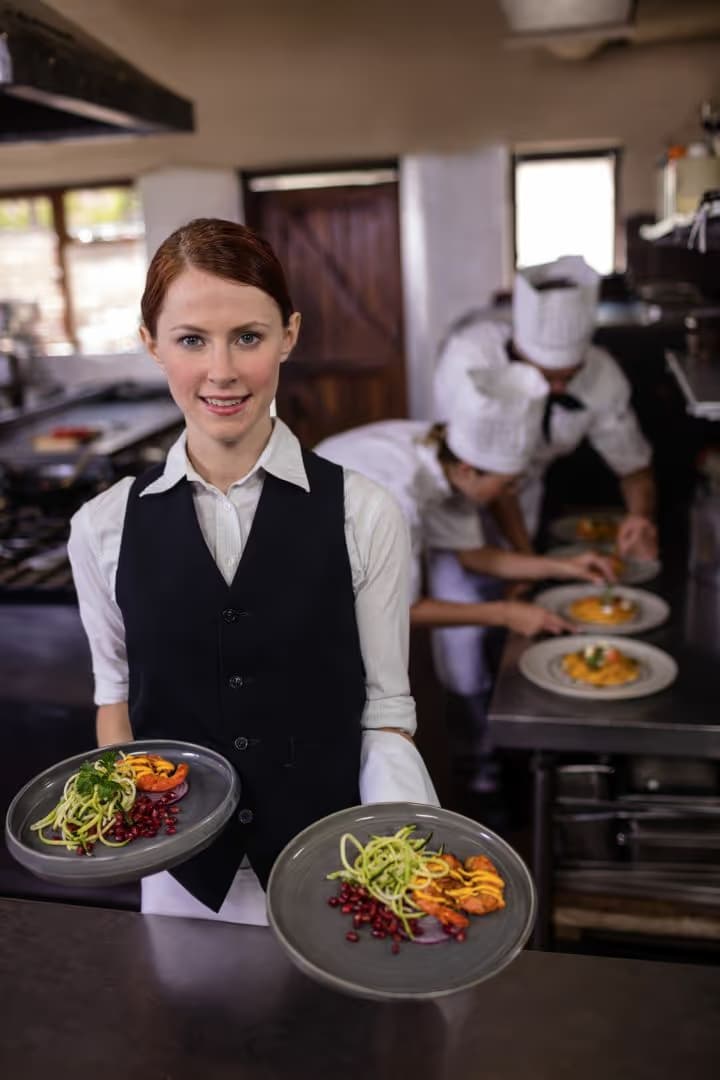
(352, 936)
(460, 936)
(346, 909)
(80, 851)
(379, 934)
(170, 830)
(395, 948)
(357, 921)
(333, 901)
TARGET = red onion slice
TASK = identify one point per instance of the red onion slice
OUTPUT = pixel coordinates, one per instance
(432, 932)
(170, 796)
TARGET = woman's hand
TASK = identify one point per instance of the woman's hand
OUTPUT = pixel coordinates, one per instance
(590, 566)
(530, 619)
(637, 536)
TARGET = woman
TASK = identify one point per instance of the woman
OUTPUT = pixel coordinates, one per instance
(246, 595)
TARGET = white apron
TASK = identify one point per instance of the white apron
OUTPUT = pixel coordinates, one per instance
(391, 770)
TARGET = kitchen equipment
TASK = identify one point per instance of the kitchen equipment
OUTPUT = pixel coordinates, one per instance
(589, 781)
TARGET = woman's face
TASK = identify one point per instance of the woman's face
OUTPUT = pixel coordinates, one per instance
(220, 345)
(480, 487)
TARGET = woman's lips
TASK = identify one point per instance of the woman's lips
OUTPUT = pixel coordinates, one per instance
(226, 406)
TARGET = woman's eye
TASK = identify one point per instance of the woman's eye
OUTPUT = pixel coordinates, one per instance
(249, 337)
(190, 341)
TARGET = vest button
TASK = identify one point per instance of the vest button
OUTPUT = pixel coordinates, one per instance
(235, 682)
(245, 817)
(241, 743)
(230, 615)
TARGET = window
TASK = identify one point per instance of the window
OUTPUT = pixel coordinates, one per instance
(565, 205)
(79, 254)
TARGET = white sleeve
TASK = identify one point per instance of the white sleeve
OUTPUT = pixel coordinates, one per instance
(449, 527)
(100, 614)
(379, 550)
(615, 432)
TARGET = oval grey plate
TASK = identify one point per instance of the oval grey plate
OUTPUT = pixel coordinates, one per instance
(212, 798)
(313, 934)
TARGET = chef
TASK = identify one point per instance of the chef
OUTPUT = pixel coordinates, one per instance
(589, 397)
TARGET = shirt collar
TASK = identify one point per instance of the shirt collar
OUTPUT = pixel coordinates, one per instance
(282, 457)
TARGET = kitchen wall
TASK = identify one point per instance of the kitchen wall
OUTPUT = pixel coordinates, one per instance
(287, 83)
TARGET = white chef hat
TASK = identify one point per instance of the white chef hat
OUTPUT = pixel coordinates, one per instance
(553, 328)
(496, 418)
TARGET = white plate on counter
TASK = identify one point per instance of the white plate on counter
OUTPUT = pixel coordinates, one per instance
(567, 528)
(542, 665)
(650, 610)
(634, 572)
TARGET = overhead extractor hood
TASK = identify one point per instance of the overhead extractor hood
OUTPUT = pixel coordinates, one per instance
(56, 82)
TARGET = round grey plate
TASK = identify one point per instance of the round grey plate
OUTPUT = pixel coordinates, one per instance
(651, 611)
(212, 798)
(635, 572)
(313, 934)
(565, 528)
(542, 665)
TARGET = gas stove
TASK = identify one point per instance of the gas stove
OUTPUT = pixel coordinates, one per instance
(34, 565)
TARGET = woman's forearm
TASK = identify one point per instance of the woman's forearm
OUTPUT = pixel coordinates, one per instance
(638, 490)
(113, 724)
(430, 612)
(509, 565)
(510, 519)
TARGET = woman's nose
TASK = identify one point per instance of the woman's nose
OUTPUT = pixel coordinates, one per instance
(221, 365)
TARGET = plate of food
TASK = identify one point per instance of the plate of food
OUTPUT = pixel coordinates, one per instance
(593, 527)
(628, 570)
(400, 901)
(614, 607)
(116, 814)
(600, 669)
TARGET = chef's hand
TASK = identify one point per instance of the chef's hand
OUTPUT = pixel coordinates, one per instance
(590, 566)
(515, 590)
(529, 619)
(637, 536)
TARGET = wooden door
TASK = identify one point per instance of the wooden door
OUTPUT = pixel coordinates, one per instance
(341, 252)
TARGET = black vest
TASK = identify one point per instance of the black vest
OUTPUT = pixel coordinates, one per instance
(268, 671)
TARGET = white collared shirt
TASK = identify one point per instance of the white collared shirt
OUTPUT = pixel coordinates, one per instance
(393, 453)
(378, 549)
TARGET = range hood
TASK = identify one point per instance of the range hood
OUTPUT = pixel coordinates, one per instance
(56, 82)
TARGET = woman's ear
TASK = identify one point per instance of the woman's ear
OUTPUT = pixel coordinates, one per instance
(290, 335)
(150, 344)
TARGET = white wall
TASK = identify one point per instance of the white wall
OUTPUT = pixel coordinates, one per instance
(172, 197)
(456, 250)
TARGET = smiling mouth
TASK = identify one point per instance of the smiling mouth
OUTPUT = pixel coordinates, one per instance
(225, 404)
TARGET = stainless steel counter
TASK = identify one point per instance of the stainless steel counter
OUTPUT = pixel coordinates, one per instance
(88, 992)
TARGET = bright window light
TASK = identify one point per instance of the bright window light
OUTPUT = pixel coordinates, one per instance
(565, 206)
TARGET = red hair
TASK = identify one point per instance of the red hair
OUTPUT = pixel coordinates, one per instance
(218, 247)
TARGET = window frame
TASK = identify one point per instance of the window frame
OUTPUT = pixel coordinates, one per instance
(56, 193)
(600, 151)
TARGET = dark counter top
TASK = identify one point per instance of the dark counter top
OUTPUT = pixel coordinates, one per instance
(129, 997)
(682, 720)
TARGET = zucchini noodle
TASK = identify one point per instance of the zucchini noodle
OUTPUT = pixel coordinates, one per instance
(86, 812)
(390, 868)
